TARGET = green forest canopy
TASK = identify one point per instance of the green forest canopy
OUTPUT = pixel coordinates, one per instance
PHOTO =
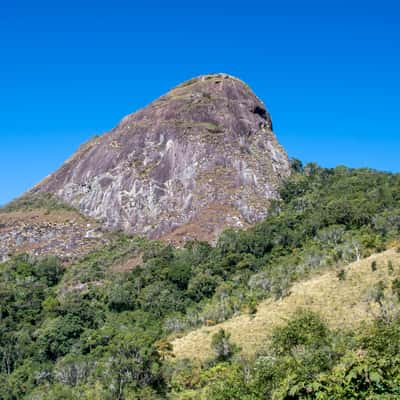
(86, 331)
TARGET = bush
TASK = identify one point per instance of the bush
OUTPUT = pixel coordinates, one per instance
(305, 329)
(222, 346)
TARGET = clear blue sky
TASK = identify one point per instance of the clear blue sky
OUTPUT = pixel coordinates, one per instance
(328, 72)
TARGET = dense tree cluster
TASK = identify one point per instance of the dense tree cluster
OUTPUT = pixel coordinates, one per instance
(89, 331)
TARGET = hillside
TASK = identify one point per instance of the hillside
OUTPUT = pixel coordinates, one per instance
(41, 225)
(99, 325)
(344, 304)
(201, 158)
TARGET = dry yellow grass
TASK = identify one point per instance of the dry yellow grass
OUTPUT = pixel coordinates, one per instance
(342, 303)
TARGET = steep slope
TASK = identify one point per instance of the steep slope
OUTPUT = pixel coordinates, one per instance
(47, 227)
(198, 159)
(343, 303)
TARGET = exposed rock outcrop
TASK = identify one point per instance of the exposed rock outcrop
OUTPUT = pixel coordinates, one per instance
(198, 159)
(39, 232)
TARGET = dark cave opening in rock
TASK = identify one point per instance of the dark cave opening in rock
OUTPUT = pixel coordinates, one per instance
(260, 111)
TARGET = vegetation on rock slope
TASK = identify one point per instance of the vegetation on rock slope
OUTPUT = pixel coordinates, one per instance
(42, 201)
(345, 303)
(40, 224)
(89, 331)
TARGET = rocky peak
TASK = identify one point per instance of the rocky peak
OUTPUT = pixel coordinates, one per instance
(200, 158)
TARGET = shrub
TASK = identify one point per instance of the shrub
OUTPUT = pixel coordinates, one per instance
(222, 346)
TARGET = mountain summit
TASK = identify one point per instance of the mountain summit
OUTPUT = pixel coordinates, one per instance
(200, 158)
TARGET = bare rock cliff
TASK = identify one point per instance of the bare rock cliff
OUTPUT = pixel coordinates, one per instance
(198, 159)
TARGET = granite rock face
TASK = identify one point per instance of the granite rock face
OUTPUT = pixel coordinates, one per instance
(38, 232)
(198, 159)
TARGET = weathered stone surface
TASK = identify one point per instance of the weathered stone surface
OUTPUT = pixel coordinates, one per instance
(196, 160)
(39, 232)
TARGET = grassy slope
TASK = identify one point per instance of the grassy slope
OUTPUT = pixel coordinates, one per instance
(343, 303)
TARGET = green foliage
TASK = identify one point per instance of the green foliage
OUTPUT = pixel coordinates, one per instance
(28, 202)
(89, 332)
(306, 329)
(222, 346)
(57, 337)
(341, 274)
